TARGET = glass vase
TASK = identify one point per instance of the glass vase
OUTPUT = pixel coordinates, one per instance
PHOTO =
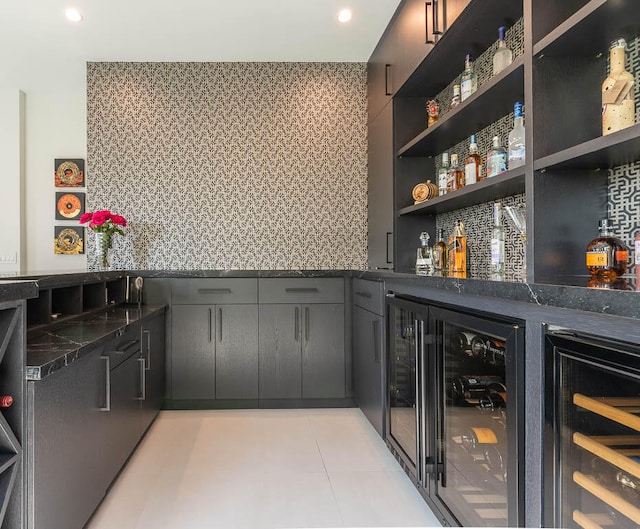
(104, 250)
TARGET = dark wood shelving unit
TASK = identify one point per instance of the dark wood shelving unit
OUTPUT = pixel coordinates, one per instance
(493, 100)
(591, 29)
(603, 152)
(473, 32)
(506, 184)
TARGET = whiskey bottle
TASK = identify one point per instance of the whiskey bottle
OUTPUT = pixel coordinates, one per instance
(606, 255)
(618, 107)
(455, 177)
(496, 159)
(497, 244)
(439, 251)
(442, 174)
(503, 57)
(472, 164)
(516, 138)
(458, 251)
(469, 80)
(424, 264)
(455, 100)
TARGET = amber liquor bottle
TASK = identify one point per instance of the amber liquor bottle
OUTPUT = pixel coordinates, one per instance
(606, 255)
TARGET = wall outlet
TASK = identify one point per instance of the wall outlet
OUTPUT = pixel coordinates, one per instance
(9, 258)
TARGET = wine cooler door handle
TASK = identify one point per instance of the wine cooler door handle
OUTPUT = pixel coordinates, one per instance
(422, 382)
(107, 383)
(441, 465)
(418, 461)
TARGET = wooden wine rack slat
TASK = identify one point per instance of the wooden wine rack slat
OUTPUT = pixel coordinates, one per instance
(610, 498)
(584, 521)
(605, 408)
(612, 456)
(617, 440)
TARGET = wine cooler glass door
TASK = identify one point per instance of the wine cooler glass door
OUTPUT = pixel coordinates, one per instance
(478, 473)
(596, 433)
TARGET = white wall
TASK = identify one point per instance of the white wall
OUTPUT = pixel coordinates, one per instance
(55, 127)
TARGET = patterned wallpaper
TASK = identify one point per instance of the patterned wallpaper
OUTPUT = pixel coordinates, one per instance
(230, 165)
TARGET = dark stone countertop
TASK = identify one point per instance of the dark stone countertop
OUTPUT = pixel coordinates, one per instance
(16, 290)
(57, 345)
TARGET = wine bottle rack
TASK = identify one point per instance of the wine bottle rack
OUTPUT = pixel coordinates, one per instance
(607, 496)
(615, 457)
(619, 409)
(586, 521)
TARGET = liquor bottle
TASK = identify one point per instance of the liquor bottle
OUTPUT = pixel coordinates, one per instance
(469, 80)
(516, 138)
(440, 255)
(606, 255)
(473, 164)
(497, 244)
(455, 177)
(618, 106)
(496, 159)
(503, 57)
(433, 112)
(455, 100)
(442, 174)
(458, 251)
(424, 264)
(636, 247)
(629, 486)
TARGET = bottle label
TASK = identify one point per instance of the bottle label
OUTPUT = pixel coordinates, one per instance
(516, 156)
(485, 435)
(497, 252)
(598, 259)
(637, 251)
(496, 163)
(470, 174)
(466, 89)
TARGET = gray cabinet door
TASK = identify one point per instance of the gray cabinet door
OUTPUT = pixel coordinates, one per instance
(153, 352)
(280, 352)
(323, 353)
(67, 471)
(193, 360)
(367, 365)
(236, 351)
(380, 196)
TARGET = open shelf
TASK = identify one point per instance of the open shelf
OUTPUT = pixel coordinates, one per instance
(473, 32)
(93, 296)
(604, 152)
(591, 29)
(506, 184)
(493, 100)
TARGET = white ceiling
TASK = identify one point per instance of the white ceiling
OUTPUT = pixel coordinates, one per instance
(192, 30)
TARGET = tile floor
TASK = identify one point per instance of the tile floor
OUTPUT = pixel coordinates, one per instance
(262, 469)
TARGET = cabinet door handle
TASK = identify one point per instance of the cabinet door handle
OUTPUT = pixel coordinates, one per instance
(296, 327)
(306, 324)
(389, 246)
(143, 380)
(214, 291)
(426, 22)
(416, 331)
(301, 290)
(388, 89)
(436, 18)
(107, 383)
(148, 334)
(376, 341)
(210, 316)
(220, 324)
(366, 295)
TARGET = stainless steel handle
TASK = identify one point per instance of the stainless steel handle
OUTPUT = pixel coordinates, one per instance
(416, 328)
(148, 333)
(210, 331)
(389, 246)
(293, 290)
(296, 327)
(306, 324)
(143, 380)
(426, 22)
(376, 341)
(421, 381)
(214, 291)
(364, 295)
(441, 471)
(107, 384)
(388, 90)
(220, 324)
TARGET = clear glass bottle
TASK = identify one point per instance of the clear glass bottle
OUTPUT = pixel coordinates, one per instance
(496, 268)
(458, 251)
(636, 247)
(455, 100)
(440, 254)
(469, 81)
(618, 105)
(606, 255)
(442, 174)
(503, 56)
(424, 262)
(455, 177)
(516, 138)
(473, 164)
(496, 158)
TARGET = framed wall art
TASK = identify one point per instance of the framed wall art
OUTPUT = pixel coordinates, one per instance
(69, 206)
(68, 240)
(69, 172)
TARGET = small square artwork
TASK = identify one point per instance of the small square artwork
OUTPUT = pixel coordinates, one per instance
(68, 240)
(69, 172)
(69, 206)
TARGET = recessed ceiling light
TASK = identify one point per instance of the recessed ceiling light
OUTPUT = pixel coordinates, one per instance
(72, 14)
(344, 15)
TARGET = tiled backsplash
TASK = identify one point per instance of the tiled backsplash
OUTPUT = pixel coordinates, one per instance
(230, 165)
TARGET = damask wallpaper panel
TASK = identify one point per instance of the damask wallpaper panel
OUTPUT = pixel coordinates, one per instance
(230, 165)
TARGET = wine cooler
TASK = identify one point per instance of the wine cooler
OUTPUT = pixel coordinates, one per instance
(453, 410)
(592, 444)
